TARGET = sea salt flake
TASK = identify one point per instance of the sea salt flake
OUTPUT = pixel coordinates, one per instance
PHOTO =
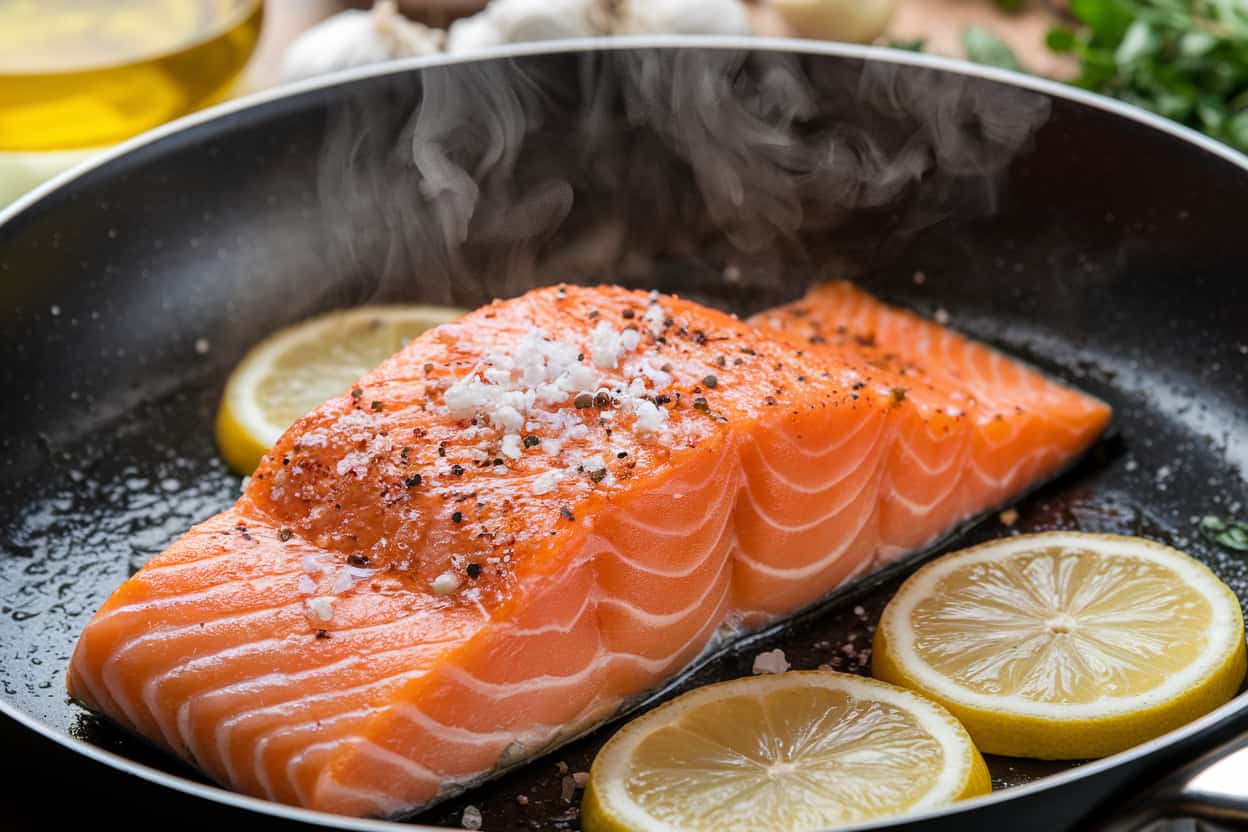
(320, 608)
(629, 339)
(355, 463)
(772, 661)
(342, 583)
(547, 482)
(511, 446)
(604, 344)
(649, 417)
(471, 818)
(446, 583)
(653, 319)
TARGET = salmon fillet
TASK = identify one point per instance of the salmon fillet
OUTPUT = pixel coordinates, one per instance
(529, 518)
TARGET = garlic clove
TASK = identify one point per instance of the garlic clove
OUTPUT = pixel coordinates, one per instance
(856, 21)
(681, 17)
(358, 38)
(468, 34)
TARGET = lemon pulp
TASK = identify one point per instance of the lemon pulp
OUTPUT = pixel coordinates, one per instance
(1065, 645)
(796, 751)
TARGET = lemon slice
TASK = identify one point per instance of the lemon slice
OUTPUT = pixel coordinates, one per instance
(294, 370)
(791, 751)
(1065, 645)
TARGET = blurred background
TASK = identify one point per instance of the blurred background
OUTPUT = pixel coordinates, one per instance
(77, 76)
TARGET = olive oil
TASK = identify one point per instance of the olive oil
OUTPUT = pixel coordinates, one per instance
(85, 73)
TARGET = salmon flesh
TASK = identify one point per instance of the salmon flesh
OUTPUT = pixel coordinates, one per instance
(527, 519)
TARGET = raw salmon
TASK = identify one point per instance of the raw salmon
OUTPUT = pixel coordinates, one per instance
(527, 519)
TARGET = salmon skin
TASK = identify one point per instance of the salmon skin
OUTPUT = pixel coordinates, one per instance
(529, 518)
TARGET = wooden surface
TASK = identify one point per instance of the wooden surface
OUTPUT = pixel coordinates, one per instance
(938, 22)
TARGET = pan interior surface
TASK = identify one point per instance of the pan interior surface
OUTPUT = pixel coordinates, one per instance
(1038, 224)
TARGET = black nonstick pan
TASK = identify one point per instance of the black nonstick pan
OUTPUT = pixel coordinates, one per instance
(1104, 245)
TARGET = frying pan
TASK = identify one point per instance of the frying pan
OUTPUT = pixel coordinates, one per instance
(1097, 242)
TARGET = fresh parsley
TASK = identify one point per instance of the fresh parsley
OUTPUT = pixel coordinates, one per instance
(1184, 59)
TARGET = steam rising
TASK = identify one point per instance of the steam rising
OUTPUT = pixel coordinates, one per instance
(657, 168)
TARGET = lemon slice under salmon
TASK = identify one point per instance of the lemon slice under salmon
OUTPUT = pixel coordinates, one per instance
(792, 751)
(294, 370)
(1065, 645)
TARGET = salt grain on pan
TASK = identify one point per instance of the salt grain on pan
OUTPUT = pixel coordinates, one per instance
(201, 346)
(772, 661)
(471, 818)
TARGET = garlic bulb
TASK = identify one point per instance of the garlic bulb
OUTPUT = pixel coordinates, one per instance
(518, 21)
(358, 38)
(680, 17)
(515, 21)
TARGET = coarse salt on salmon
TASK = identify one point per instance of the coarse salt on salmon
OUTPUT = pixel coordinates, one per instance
(525, 520)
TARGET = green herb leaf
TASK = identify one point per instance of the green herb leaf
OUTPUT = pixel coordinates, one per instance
(1008, 5)
(1108, 20)
(1060, 39)
(1232, 534)
(983, 47)
(1139, 42)
(1196, 44)
(915, 45)
(1236, 132)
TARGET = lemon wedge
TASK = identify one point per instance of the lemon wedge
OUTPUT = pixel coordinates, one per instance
(1065, 645)
(790, 751)
(294, 370)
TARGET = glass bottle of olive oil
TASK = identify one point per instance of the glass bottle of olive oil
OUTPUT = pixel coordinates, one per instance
(86, 73)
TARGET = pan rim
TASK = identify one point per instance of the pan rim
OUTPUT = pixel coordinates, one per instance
(900, 57)
(1044, 86)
